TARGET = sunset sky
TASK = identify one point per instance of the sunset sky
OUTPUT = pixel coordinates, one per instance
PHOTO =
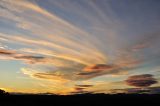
(79, 46)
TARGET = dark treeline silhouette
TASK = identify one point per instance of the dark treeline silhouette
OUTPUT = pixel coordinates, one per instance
(3, 92)
(77, 99)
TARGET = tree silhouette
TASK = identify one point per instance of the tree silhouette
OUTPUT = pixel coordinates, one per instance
(3, 92)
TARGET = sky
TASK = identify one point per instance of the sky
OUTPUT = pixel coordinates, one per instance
(79, 46)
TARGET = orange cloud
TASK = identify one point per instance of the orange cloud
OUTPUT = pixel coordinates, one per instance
(6, 52)
(98, 70)
(98, 67)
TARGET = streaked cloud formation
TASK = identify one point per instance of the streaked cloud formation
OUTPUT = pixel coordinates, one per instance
(79, 46)
(10, 54)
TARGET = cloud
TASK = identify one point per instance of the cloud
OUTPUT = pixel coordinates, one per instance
(100, 69)
(95, 70)
(70, 54)
(84, 86)
(140, 46)
(149, 90)
(3, 46)
(144, 80)
(147, 41)
(70, 70)
(50, 76)
(6, 52)
(13, 55)
(79, 89)
(56, 77)
(62, 34)
(77, 72)
(56, 29)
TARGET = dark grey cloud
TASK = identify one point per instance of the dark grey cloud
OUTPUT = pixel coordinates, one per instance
(87, 73)
(81, 89)
(6, 52)
(84, 86)
(149, 90)
(20, 56)
(31, 59)
(144, 80)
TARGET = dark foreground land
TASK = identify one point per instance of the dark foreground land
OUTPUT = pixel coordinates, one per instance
(81, 99)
